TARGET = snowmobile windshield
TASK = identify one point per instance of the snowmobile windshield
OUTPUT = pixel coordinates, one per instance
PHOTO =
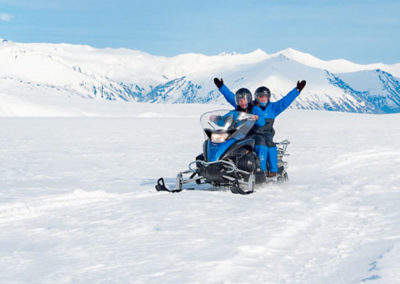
(235, 123)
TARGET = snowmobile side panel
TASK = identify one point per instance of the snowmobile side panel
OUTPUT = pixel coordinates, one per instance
(205, 152)
(249, 143)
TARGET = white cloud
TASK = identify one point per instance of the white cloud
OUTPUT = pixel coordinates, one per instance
(5, 17)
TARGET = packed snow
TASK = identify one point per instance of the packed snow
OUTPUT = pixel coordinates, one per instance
(78, 204)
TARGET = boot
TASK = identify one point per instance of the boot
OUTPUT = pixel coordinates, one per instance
(260, 177)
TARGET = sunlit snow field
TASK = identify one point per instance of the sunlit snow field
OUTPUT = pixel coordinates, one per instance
(78, 204)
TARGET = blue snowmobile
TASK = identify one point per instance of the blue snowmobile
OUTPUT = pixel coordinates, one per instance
(228, 159)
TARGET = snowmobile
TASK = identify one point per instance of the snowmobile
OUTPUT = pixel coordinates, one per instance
(229, 160)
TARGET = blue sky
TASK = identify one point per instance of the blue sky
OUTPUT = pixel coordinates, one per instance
(363, 31)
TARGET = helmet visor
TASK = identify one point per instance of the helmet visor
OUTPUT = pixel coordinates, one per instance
(241, 97)
(262, 95)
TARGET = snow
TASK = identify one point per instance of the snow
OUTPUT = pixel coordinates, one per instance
(78, 204)
(336, 65)
(82, 71)
(119, 64)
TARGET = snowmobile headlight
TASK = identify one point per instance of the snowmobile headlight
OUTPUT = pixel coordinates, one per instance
(219, 137)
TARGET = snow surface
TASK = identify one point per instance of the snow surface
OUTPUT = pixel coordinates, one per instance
(78, 204)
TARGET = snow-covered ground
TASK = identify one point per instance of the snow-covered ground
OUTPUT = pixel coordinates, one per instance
(78, 204)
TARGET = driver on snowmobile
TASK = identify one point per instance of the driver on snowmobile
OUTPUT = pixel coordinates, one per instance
(242, 101)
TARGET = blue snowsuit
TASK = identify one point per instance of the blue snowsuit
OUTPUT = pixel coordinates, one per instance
(266, 150)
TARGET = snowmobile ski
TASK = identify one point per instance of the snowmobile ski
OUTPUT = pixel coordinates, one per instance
(236, 189)
(161, 186)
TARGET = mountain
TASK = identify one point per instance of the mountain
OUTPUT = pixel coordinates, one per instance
(53, 70)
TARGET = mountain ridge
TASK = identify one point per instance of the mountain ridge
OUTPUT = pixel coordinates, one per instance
(136, 76)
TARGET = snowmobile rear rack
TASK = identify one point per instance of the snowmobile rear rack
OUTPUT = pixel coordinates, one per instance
(282, 147)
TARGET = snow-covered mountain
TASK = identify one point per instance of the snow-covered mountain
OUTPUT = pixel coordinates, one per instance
(128, 75)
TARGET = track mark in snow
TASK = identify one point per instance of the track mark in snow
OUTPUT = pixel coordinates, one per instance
(374, 267)
(37, 207)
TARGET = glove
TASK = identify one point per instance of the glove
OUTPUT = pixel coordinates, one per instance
(219, 82)
(301, 85)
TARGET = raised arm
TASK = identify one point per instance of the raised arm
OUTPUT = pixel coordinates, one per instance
(279, 106)
(228, 95)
